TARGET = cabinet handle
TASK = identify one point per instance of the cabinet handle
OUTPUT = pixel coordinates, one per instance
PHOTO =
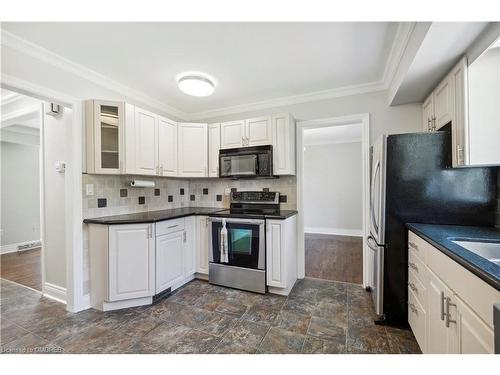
(413, 287)
(173, 226)
(460, 155)
(413, 266)
(161, 170)
(442, 305)
(184, 236)
(447, 313)
(413, 308)
(429, 124)
(434, 123)
(157, 170)
(412, 245)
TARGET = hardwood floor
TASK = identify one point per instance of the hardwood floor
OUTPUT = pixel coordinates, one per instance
(23, 268)
(336, 258)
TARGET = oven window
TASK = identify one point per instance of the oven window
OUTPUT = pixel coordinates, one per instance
(243, 244)
(239, 165)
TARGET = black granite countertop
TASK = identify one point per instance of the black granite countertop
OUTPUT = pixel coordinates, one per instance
(154, 216)
(441, 237)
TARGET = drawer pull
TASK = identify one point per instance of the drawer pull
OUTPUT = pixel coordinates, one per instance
(413, 245)
(442, 305)
(173, 226)
(413, 287)
(413, 266)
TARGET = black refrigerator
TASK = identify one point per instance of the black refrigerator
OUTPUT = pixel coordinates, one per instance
(412, 181)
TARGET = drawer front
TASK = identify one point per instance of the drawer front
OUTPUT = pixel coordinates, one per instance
(169, 226)
(417, 246)
(418, 267)
(417, 288)
(417, 319)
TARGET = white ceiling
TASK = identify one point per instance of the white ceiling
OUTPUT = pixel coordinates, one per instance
(444, 44)
(252, 62)
(333, 134)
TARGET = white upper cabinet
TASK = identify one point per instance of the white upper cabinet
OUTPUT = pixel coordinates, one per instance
(283, 130)
(167, 147)
(105, 124)
(258, 131)
(428, 114)
(232, 134)
(213, 149)
(443, 103)
(146, 142)
(193, 152)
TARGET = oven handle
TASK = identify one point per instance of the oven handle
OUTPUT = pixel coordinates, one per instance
(237, 220)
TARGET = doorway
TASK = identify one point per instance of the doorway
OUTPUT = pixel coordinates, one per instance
(21, 245)
(332, 185)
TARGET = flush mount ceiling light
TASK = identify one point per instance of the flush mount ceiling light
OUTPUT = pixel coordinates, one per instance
(196, 84)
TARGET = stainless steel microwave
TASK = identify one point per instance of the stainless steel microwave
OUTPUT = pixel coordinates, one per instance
(246, 162)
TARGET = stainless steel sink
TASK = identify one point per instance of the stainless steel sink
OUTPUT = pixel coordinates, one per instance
(487, 250)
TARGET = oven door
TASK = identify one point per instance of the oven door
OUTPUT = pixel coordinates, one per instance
(246, 242)
(238, 165)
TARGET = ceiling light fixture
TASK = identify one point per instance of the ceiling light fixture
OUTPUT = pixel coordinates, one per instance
(196, 84)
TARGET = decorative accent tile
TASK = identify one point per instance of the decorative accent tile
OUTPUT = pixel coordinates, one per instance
(181, 191)
(170, 198)
(283, 198)
(234, 190)
(265, 190)
(102, 202)
(205, 191)
(218, 197)
(123, 193)
(192, 197)
(142, 200)
(157, 192)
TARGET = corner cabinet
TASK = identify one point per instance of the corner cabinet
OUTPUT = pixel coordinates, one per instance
(193, 149)
(122, 265)
(447, 104)
(450, 310)
(281, 255)
(105, 127)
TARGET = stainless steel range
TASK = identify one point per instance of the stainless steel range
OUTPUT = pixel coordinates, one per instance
(237, 256)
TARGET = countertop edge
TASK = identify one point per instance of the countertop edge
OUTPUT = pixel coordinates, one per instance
(486, 277)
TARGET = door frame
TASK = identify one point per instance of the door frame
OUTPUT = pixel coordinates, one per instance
(364, 120)
(75, 299)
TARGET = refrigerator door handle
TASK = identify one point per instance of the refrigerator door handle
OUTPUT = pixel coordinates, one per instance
(371, 242)
(372, 201)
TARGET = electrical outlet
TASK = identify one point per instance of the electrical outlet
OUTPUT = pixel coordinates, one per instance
(89, 189)
(227, 191)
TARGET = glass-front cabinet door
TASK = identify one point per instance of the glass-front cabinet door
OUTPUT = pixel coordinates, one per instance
(104, 153)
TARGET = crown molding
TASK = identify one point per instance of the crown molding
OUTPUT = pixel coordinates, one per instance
(31, 49)
(10, 98)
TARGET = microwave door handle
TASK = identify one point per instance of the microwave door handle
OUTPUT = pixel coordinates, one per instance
(256, 165)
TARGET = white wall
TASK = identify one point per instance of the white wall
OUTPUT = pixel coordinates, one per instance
(333, 189)
(20, 194)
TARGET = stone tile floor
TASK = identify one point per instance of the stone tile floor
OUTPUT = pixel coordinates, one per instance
(317, 317)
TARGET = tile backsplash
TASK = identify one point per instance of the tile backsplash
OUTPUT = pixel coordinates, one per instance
(121, 198)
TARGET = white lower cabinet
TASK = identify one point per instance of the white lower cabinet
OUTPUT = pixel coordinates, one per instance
(202, 245)
(457, 306)
(169, 260)
(281, 255)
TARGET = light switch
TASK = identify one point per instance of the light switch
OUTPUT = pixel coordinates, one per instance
(89, 189)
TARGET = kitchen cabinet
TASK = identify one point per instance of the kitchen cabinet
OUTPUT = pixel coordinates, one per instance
(105, 126)
(189, 246)
(146, 142)
(232, 134)
(167, 147)
(213, 149)
(283, 129)
(457, 305)
(258, 131)
(193, 153)
(169, 260)
(447, 104)
(281, 255)
(202, 244)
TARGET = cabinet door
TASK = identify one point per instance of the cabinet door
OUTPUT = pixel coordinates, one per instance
(167, 147)
(189, 237)
(443, 103)
(283, 127)
(440, 338)
(428, 113)
(475, 336)
(131, 261)
(193, 150)
(275, 254)
(213, 149)
(459, 123)
(146, 141)
(258, 131)
(202, 244)
(169, 260)
(232, 134)
(105, 123)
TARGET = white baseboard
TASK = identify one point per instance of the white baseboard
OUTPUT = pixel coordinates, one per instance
(13, 247)
(335, 231)
(54, 292)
